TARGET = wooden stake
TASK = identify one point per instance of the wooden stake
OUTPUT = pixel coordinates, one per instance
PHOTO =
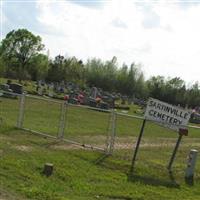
(48, 169)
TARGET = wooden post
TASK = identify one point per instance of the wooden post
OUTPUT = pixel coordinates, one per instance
(48, 169)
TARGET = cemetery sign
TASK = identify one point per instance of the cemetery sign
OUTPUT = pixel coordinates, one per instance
(170, 116)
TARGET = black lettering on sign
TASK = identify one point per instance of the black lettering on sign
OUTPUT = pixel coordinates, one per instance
(151, 103)
(163, 117)
(159, 115)
(158, 106)
(167, 109)
(170, 119)
(181, 114)
(167, 118)
(175, 121)
(154, 114)
(163, 107)
(173, 111)
(185, 115)
(166, 113)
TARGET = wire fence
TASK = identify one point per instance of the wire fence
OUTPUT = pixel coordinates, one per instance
(9, 112)
(41, 115)
(80, 125)
(108, 131)
(87, 126)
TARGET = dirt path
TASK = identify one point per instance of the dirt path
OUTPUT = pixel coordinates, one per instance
(5, 195)
(128, 143)
(100, 141)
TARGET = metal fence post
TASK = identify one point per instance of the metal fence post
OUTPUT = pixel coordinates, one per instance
(112, 135)
(21, 111)
(137, 146)
(61, 129)
(182, 131)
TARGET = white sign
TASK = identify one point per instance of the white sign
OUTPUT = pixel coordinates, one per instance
(169, 116)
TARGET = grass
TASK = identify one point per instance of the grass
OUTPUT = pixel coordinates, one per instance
(79, 175)
(84, 174)
(44, 116)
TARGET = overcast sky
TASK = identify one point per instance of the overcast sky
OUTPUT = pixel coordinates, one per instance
(164, 36)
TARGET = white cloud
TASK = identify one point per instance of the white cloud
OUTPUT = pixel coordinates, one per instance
(3, 16)
(167, 44)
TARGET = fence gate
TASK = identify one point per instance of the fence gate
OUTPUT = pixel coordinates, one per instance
(88, 127)
(80, 125)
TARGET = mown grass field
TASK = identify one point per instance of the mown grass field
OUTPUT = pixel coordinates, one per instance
(84, 174)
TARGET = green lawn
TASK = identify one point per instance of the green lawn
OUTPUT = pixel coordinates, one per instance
(84, 174)
(83, 121)
(81, 174)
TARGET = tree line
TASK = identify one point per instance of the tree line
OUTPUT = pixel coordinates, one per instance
(22, 58)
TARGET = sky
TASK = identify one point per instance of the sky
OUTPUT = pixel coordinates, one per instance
(163, 36)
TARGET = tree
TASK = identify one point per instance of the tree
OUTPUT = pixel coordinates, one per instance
(74, 70)
(156, 85)
(174, 92)
(94, 69)
(66, 69)
(193, 95)
(122, 77)
(101, 74)
(132, 79)
(2, 67)
(18, 48)
(38, 67)
(56, 69)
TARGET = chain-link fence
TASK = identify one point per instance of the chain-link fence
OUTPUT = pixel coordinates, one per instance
(127, 130)
(106, 130)
(41, 115)
(87, 126)
(80, 125)
(9, 109)
(156, 146)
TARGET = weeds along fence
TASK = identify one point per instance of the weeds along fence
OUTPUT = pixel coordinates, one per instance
(104, 130)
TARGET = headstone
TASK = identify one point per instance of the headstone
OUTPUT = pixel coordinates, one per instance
(16, 88)
(94, 92)
(40, 90)
(51, 90)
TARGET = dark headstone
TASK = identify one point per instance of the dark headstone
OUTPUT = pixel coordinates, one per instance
(16, 88)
